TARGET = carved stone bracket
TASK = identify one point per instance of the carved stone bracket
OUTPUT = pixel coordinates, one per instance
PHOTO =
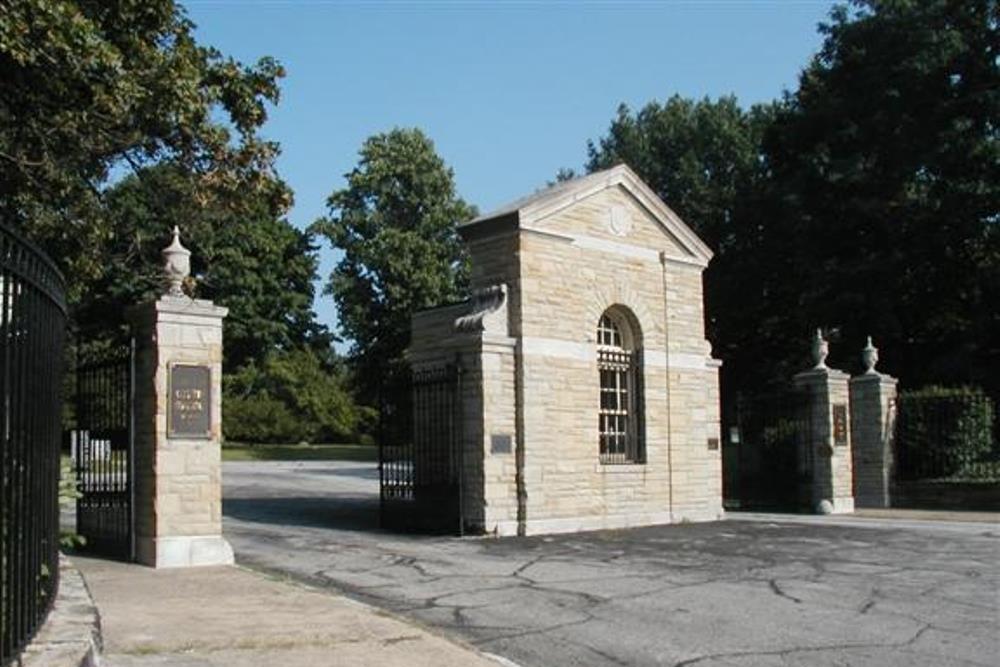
(484, 302)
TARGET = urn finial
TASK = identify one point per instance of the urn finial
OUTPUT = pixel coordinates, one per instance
(820, 349)
(869, 357)
(176, 264)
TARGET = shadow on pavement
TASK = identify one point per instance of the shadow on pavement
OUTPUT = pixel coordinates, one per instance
(359, 513)
(361, 472)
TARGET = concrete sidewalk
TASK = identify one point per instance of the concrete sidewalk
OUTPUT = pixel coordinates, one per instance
(890, 518)
(204, 617)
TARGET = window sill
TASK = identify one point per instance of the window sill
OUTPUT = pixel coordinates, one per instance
(620, 468)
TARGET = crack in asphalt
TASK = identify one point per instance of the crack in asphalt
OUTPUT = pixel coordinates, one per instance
(649, 596)
(804, 649)
(773, 583)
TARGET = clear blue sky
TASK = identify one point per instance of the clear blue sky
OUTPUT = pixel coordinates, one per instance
(509, 91)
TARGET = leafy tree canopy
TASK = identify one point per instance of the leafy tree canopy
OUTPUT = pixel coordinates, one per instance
(887, 175)
(92, 86)
(290, 397)
(395, 222)
(864, 202)
(245, 257)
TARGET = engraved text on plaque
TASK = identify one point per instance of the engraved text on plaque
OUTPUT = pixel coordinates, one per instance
(840, 425)
(189, 413)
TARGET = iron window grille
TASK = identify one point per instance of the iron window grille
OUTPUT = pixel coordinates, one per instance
(620, 424)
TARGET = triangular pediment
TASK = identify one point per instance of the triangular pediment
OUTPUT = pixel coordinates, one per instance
(614, 204)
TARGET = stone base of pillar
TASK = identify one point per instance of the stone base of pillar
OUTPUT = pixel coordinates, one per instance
(840, 505)
(184, 551)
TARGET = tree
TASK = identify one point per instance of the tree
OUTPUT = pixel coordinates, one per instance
(93, 87)
(886, 169)
(395, 223)
(290, 396)
(865, 202)
(246, 257)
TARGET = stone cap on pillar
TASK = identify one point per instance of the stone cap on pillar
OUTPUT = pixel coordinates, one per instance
(820, 372)
(168, 307)
(820, 375)
(869, 357)
(176, 269)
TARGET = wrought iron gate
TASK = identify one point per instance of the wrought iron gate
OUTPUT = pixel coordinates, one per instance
(767, 462)
(32, 326)
(420, 453)
(103, 450)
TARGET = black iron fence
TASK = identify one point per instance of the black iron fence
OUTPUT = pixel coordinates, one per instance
(32, 326)
(766, 459)
(102, 446)
(420, 454)
(945, 450)
(944, 433)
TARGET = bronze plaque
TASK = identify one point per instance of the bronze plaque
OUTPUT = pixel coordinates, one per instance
(500, 444)
(840, 425)
(190, 414)
(713, 443)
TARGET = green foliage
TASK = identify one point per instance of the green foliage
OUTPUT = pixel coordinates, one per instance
(260, 418)
(886, 178)
(89, 87)
(865, 202)
(115, 125)
(291, 396)
(248, 258)
(395, 222)
(944, 432)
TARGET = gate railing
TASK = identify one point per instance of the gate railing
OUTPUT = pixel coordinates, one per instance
(102, 447)
(767, 460)
(945, 434)
(420, 453)
(32, 326)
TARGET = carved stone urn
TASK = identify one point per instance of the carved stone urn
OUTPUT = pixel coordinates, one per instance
(869, 357)
(820, 350)
(176, 265)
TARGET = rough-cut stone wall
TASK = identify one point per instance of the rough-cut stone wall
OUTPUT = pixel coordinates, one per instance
(873, 397)
(567, 280)
(499, 424)
(540, 384)
(178, 479)
(832, 464)
(495, 262)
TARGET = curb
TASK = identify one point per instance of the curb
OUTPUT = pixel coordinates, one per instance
(856, 521)
(71, 635)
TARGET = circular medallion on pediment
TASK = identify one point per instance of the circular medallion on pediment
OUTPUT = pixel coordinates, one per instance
(619, 220)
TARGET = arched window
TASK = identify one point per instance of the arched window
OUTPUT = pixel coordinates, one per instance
(619, 363)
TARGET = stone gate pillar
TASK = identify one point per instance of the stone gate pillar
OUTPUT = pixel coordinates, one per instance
(873, 404)
(178, 425)
(829, 444)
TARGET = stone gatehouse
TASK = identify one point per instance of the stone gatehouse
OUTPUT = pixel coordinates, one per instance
(589, 396)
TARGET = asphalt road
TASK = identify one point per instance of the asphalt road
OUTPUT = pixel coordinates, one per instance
(731, 593)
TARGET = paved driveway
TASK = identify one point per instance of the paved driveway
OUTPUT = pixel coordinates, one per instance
(727, 593)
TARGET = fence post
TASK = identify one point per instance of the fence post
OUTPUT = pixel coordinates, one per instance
(178, 426)
(873, 411)
(829, 441)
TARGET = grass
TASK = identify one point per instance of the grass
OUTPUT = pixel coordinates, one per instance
(300, 452)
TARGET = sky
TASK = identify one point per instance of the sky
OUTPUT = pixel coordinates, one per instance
(509, 92)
